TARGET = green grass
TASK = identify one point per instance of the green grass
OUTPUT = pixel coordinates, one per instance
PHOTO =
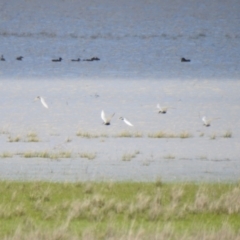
(119, 210)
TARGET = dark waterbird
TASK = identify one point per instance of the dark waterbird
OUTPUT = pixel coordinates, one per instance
(2, 58)
(185, 60)
(76, 60)
(19, 58)
(57, 60)
(92, 59)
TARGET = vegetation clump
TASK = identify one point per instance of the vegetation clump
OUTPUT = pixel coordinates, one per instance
(88, 155)
(227, 134)
(129, 156)
(47, 154)
(162, 134)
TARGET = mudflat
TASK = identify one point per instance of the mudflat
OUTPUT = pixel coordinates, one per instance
(68, 142)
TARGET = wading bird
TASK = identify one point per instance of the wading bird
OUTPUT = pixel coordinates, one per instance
(42, 101)
(106, 120)
(126, 121)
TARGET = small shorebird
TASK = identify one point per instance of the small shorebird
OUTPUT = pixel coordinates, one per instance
(2, 58)
(162, 110)
(185, 60)
(42, 101)
(19, 58)
(126, 121)
(106, 120)
(207, 122)
(57, 60)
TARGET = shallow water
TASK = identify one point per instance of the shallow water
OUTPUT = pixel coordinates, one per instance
(205, 155)
(140, 46)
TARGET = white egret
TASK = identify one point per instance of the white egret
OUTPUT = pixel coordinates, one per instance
(42, 101)
(126, 121)
(106, 120)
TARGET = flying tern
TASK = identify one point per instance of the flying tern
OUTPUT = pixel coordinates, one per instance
(162, 110)
(42, 101)
(126, 121)
(207, 122)
(106, 120)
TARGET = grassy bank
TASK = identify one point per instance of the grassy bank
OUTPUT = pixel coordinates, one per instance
(121, 210)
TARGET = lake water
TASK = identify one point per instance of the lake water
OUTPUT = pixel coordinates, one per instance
(133, 39)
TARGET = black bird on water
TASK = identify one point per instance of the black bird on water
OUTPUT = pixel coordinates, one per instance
(2, 58)
(76, 60)
(92, 59)
(19, 58)
(185, 60)
(57, 60)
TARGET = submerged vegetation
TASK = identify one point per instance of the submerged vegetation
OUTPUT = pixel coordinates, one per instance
(130, 156)
(120, 210)
(30, 137)
(162, 134)
(85, 134)
(46, 154)
(6, 155)
(88, 155)
(227, 134)
(33, 137)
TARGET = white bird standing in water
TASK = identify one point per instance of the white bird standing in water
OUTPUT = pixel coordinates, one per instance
(42, 101)
(162, 109)
(106, 120)
(126, 121)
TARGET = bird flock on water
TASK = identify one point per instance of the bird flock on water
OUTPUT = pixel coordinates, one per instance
(20, 58)
(107, 119)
